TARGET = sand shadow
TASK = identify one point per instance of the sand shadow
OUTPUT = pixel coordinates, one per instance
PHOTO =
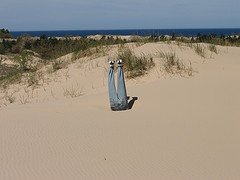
(131, 102)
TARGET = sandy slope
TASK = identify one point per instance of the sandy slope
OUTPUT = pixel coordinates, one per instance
(179, 128)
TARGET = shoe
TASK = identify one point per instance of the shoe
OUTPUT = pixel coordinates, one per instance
(111, 63)
(119, 62)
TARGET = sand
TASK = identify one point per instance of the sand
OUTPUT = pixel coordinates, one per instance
(178, 128)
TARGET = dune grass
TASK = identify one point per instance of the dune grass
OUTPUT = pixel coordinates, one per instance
(212, 48)
(173, 64)
(200, 50)
(134, 65)
(72, 92)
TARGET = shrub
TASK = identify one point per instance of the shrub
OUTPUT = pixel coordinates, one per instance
(24, 60)
(5, 34)
(174, 36)
(58, 64)
(2, 49)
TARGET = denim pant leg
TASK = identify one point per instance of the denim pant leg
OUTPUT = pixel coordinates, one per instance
(112, 90)
(121, 90)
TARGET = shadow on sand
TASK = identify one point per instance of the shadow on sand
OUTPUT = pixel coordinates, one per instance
(131, 102)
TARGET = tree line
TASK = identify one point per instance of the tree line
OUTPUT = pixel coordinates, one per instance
(50, 48)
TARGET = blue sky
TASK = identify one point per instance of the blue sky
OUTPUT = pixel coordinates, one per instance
(118, 14)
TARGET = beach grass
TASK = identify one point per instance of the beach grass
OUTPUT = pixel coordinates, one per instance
(200, 50)
(134, 65)
(173, 64)
(213, 48)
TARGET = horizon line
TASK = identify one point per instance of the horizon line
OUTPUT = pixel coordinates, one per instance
(117, 29)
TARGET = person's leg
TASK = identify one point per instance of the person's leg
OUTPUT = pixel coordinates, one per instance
(121, 88)
(111, 88)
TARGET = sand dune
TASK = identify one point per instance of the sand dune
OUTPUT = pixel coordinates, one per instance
(178, 128)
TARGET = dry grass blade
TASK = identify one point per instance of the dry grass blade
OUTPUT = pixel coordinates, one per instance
(72, 92)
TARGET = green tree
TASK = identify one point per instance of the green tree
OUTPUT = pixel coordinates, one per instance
(174, 36)
(5, 34)
(42, 37)
(2, 49)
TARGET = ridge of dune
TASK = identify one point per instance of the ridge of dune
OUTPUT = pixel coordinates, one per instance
(89, 75)
(178, 128)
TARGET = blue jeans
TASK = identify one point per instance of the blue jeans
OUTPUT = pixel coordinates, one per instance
(118, 100)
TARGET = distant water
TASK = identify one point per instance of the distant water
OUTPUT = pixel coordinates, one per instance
(141, 32)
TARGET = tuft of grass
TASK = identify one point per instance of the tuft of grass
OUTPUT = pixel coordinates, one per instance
(32, 78)
(134, 65)
(91, 53)
(12, 78)
(58, 64)
(23, 99)
(173, 65)
(10, 98)
(72, 92)
(200, 50)
(213, 48)
(24, 60)
(7, 70)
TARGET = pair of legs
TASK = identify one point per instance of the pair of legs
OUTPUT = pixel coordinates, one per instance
(118, 99)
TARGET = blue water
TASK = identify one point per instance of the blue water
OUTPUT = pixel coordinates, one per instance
(141, 32)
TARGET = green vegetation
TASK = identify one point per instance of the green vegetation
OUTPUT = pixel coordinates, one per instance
(24, 48)
(134, 65)
(52, 48)
(6, 70)
(200, 50)
(233, 40)
(4, 33)
(213, 39)
(24, 60)
(13, 75)
(174, 36)
(173, 65)
(213, 48)
(48, 49)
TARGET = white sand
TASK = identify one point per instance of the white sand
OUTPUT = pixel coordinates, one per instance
(179, 128)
